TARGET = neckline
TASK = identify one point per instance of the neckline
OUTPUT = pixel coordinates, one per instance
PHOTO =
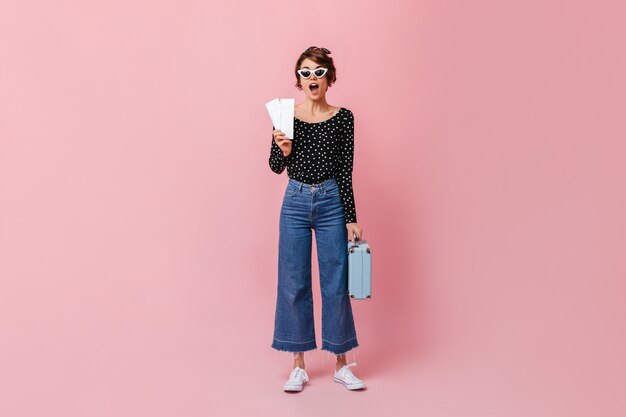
(323, 121)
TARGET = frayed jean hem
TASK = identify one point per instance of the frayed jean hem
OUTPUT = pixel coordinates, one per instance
(287, 346)
(340, 349)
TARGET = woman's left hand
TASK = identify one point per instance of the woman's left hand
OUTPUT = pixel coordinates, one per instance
(352, 229)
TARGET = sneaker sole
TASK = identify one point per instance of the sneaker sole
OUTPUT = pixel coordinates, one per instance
(350, 387)
(292, 387)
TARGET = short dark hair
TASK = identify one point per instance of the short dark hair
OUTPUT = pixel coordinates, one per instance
(321, 58)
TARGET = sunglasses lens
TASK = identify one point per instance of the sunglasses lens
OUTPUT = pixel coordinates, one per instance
(319, 72)
(305, 74)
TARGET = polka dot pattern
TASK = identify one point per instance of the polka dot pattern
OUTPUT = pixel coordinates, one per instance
(320, 151)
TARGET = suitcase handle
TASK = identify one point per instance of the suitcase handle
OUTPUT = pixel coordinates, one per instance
(355, 242)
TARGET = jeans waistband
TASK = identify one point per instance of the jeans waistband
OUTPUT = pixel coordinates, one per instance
(324, 185)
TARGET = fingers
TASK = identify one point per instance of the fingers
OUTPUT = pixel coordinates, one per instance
(280, 137)
(284, 143)
(352, 231)
(277, 134)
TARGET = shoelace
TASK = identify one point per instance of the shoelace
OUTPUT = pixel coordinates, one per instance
(347, 373)
(298, 375)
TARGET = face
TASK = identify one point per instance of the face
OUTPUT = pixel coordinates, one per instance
(308, 84)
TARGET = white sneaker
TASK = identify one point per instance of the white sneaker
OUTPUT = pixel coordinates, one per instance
(346, 377)
(296, 380)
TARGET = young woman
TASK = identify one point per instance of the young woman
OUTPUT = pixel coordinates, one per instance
(318, 196)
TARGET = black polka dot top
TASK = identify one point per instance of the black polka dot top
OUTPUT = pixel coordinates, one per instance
(319, 151)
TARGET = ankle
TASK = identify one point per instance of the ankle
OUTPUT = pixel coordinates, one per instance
(298, 359)
(340, 364)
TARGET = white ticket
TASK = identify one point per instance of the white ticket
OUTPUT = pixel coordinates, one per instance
(281, 112)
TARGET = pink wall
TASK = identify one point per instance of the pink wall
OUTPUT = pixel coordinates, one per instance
(139, 216)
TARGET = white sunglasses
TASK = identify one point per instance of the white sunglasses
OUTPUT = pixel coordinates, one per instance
(306, 73)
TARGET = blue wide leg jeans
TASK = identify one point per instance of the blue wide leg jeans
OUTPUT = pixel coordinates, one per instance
(308, 207)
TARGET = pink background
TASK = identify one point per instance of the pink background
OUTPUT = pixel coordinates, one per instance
(139, 215)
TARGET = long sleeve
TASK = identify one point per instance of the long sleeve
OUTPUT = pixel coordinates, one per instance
(277, 161)
(344, 170)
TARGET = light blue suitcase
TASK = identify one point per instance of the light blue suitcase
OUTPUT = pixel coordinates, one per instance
(359, 269)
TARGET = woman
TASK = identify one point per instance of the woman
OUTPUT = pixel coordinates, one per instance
(318, 197)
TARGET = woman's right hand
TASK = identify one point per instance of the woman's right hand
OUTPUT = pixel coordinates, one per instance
(282, 141)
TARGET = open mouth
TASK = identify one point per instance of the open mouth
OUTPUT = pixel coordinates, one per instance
(314, 87)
